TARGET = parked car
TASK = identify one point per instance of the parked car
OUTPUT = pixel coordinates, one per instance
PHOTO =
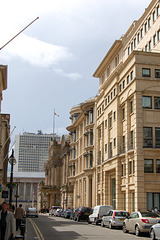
(53, 210)
(140, 222)
(82, 213)
(32, 212)
(67, 213)
(60, 213)
(98, 212)
(114, 218)
(72, 213)
(57, 212)
(155, 231)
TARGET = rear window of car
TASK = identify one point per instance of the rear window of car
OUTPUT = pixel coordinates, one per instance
(122, 214)
(149, 214)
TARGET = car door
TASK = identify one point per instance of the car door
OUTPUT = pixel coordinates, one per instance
(129, 221)
(157, 230)
(106, 218)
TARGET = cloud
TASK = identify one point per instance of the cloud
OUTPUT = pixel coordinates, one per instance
(72, 76)
(36, 52)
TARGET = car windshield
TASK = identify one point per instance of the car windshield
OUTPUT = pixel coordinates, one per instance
(122, 214)
(149, 214)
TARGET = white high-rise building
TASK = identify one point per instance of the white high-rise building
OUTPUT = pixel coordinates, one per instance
(31, 151)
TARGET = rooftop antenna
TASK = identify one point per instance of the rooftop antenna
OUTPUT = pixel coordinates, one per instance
(19, 33)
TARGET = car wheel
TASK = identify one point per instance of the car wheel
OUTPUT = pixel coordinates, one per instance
(110, 225)
(102, 224)
(124, 228)
(137, 231)
(152, 234)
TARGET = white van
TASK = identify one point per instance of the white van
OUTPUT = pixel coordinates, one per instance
(98, 212)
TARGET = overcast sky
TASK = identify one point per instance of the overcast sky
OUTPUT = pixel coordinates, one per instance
(50, 64)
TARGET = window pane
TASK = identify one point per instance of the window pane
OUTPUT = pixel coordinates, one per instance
(146, 72)
(157, 136)
(158, 166)
(157, 73)
(147, 102)
(148, 165)
(157, 102)
(147, 137)
(149, 201)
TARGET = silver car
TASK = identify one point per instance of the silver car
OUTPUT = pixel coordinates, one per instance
(114, 218)
(140, 222)
(31, 212)
(155, 231)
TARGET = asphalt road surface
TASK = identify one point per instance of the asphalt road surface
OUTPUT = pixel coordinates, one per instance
(56, 228)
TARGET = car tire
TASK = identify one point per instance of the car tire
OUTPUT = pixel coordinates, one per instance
(152, 234)
(137, 231)
(124, 228)
(110, 225)
(102, 224)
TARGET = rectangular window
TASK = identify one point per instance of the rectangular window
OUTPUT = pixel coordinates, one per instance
(149, 22)
(110, 122)
(114, 141)
(142, 33)
(106, 102)
(124, 144)
(157, 73)
(158, 166)
(131, 105)
(123, 84)
(149, 45)
(146, 72)
(157, 136)
(158, 35)
(110, 149)
(106, 123)
(130, 167)
(148, 165)
(132, 46)
(127, 79)
(111, 95)
(128, 50)
(123, 113)
(157, 102)
(138, 37)
(146, 48)
(133, 202)
(145, 27)
(106, 147)
(91, 116)
(154, 16)
(131, 139)
(157, 10)
(122, 170)
(147, 137)
(108, 99)
(114, 92)
(91, 137)
(114, 116)
(147, 102)
(134, 42)
(132, 75)
(120, 87)
(154, 39)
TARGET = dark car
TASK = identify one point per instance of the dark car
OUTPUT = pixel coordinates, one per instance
(82, 213)
(67, 213)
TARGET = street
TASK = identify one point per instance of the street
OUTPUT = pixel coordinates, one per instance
(49, 228)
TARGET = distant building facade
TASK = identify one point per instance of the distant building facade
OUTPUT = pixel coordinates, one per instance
(31, 153)
(4, 133)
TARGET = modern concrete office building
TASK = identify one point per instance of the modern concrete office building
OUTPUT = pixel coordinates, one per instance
(31, 153)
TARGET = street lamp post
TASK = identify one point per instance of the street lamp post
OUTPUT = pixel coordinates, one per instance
(12, 161)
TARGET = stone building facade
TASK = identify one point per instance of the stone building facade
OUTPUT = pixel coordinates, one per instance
(114, 156)
(4, 132)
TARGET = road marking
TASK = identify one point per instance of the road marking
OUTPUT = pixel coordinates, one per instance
(37, 231)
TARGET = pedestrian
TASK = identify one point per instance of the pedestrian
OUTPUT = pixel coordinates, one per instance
(19, 214)
(7, 223)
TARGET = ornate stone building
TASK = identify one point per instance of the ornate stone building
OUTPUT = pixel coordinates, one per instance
(4, 132)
